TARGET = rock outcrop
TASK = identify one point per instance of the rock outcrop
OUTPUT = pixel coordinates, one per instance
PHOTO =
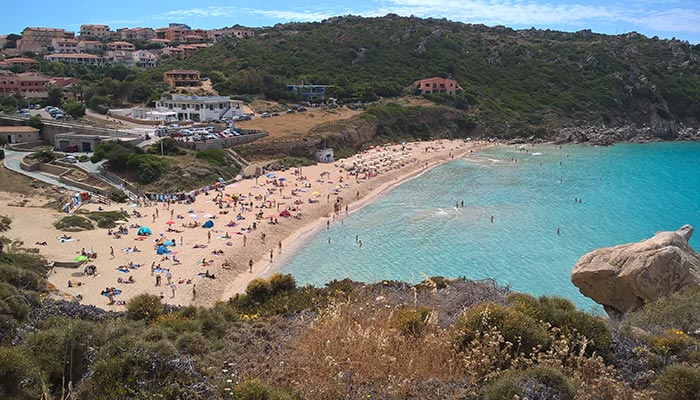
(624, 277)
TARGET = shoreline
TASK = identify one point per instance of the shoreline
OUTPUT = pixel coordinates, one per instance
(226, 249)
(298, 238)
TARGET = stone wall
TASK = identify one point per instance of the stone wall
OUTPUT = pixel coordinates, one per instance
(222, 143)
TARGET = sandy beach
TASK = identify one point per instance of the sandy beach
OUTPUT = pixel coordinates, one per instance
(314, 197)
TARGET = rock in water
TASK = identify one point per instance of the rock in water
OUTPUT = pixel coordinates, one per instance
(624, 277)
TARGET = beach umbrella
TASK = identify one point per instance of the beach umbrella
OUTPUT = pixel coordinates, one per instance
(207, 216)
(144, 231)
(81, 258)
(282, 179)
(170, 222)
(285, 213)
(316, 193)
(208, 224)
(194, 216)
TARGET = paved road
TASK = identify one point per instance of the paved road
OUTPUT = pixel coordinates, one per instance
(12, 161)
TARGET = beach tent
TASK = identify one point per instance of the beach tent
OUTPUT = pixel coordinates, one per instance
(208, 224)
(144, 231)
(285, 213)
(271, 175)
(81, 258)
(162, 250)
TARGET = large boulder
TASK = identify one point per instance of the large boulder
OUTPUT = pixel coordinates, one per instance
(624, 277)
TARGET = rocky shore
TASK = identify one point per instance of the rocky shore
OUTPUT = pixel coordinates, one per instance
(606, 136)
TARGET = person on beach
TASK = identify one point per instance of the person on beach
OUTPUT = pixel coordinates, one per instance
(272, 253)
(111, 252)
(208, 236)
(169, 276)
(158, 278)
(279, 247)
(328, 224)
(194, 291)
(245, 240)
(173, 287)
(250, 266)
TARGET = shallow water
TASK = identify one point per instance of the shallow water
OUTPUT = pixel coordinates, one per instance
(628, 192)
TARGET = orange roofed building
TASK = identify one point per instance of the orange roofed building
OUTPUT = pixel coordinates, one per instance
(437, 85)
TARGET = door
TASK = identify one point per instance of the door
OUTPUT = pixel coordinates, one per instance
(87, 147)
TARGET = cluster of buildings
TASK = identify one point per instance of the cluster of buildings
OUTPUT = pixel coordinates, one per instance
(97, 44)
(34, 85)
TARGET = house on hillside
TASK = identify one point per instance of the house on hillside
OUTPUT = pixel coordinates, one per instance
(309, 92)
(176, 78)
(437, 85)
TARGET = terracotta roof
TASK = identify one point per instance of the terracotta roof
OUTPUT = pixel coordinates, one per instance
(182, 71)
(121, 44)
(18, 129)
(72, 55)
(21, 60)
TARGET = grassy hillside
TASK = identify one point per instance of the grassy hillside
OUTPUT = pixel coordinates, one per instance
(515, 81)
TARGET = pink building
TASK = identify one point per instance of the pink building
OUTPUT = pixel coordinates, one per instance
(121, 46)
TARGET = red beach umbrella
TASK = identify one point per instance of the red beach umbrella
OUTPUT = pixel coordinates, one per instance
(170, 222)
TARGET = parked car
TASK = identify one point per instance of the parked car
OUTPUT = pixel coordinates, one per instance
(265, 115)
(70, 159)
(71, 148)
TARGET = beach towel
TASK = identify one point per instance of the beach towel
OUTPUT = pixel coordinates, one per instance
(62, 240)
(159, 271)
(124, 270)
(116, 293)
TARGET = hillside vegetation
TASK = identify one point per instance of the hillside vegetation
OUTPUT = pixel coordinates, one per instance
(517, 82)
(438, 339)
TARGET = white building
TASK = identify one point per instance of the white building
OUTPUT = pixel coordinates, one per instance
(143, 58)
(198, 108)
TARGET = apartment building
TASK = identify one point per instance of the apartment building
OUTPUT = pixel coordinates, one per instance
(437, 85)
(23, 63)
(201, 108)
(39, 39)
(85, 46)
(121, 46)
(182, 78)
(63, 45)
(131, 34)
(98, 31)
(85, 59)
(145, 59)
(8, 82)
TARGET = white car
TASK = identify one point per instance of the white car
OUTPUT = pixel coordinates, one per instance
(69, 159)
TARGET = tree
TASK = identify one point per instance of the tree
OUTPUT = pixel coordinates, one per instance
(74, 108)
(11, 41)
(34, 122)
(55, 97)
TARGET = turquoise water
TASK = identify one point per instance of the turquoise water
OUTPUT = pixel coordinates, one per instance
(628, 192)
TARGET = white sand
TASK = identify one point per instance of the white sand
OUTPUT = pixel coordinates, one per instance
(32, 224)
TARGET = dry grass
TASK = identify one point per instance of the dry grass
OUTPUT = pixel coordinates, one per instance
(11, 181)
(294, 125)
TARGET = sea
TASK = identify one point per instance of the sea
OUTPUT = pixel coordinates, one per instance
(625, 192)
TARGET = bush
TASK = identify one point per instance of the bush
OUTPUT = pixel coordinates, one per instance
(106, 219)
(677, 311)
(19, 379)
(538, 383)
(213, 156)
(148, 167)
(562, 313)
(411, 321)
(434, 282)
(282, 283)
(144, 307)
(672, 343)
(258, 290)
(5, 223)
(74, 223)
(515, 326)
(679, 382)
(74, 108)
(192, 343)
(253, 389)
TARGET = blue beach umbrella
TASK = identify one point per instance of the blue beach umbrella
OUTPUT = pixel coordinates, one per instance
(208, 224)
(144, 231)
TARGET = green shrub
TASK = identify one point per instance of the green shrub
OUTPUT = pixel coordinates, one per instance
(676, 311)
(106, 219)
(679, 382)
(74, 223)
(673, 343)
(144, 307)
(258, 290)
(515, 326)
(293, 162)
(167, 147)
(282, 283)
(411, 321)
(192, 343)
(538, 383)
(213, 156)
(19, 378)
(5, 223)
(253, 389)
(562, 313)
(434, 282)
